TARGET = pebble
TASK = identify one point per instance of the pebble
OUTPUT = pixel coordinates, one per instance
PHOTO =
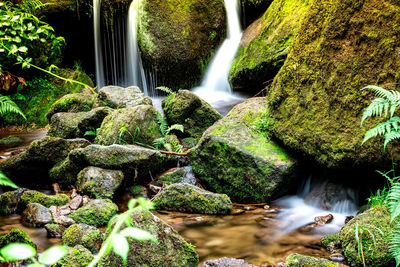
(76, 202)
(321, 220)
(337, 257)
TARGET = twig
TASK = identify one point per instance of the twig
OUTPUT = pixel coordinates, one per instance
(173, 153)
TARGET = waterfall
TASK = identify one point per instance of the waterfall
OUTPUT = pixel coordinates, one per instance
(215, 85)
(117, 53)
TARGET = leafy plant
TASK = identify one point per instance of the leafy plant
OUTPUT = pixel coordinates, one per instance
(164, 89)
(5, 181)
(123, 131)
(169, 144)
(92, 132)
(7, 106)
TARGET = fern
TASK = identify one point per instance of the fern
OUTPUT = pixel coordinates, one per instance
(5, 181)
(164, 89)
(159, 143)
(176, 146)
(7, 106)
(176, 127)
(163, 123)
(394, 246)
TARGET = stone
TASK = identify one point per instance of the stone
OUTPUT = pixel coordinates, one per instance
(375, 248)
(40, 157)
(78, 256)
(99, 183)
(96, 213)
(9, 201)
(177, 41)
(321, 220)
(32, 196)
(73, 103)
(299, 260)
(65, 125)
(227, 262)
(92, 120)
(76, 202)
(170, 250)
(118, 97)
(337, 257)
(129, 125)
(82, 234)
(16, 236)
(189, 198)
(36, 215)
(177, 175)
(54, 230)
(60, 219)
(236, 157)
(186, 108)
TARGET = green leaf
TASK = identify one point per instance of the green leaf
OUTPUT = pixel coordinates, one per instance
(17, 252)
(138, 234)
(120, 246)
(5, 181)
(52, 255)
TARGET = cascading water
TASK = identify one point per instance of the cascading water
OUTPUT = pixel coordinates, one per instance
(215, 85)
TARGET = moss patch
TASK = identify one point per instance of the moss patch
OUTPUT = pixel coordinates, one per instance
(97, 213)
(29, 197)
(16, 236)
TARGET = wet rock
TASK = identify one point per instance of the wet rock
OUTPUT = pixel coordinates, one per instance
(336, 257)
(60, 219)
(299, 260)
(39, 158)
(9, 201)
(189, 110)
(188, 198)
(32, 196)
(76, 202)
(82, 234)
(16, 236)
(321, 220)
(78, 256)
(54, 230)
(97, 212)
(235, 157)
(80, 102)
(375, 248)
(119, 97)
(237, 211)
(331, 242)
(227, 262)
(280, 264)
(99, 183)
(93, 119)
(36, 215)
(65, 125)
(348, 218)
(171, 249)
(177, 175)
(308, 228)
(65, 210)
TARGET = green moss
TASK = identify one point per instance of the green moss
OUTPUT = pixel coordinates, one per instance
(172, 177)
(296, 260)
(97, 213)
(29, 197)
(85, 235)
(16, 236)
(11, 139)
(79, 102)
(327, 240)
(77, 256)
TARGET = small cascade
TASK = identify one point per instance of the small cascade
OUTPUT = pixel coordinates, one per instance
(215, 85)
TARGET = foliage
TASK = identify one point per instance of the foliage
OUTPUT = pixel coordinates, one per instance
(5, 181)
(170, 144)
(7, 106)
(164, 89)
(123, 131)
(359, 231)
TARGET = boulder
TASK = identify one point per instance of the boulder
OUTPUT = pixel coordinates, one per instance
(79, 102)
(16, 236)
(176, 175)
(32, 196)
(99, 183)
(40, 157)
(376, 222)
(266, 43)
(189, 198)
(92, 120)
(299, 260)
(227, 262)
(118, 97)
(9, 201)
(36, 215)
(129, 125)
(170, 250)
(316, 100)
(65, 125)
(78, 256)
(177, 40)
(236, 157)
(97, 212)
(134, 161)
(81, 234)
(189, 110)
(54, 230)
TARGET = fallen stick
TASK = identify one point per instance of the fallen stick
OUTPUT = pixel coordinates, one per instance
(173, 153)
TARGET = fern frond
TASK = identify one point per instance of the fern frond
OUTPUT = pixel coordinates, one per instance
(391, 125)
(394, 245)
(391, 136)
(177, 127)
(159, 142)
(164, 89)
(379, 91)
(5, 181)
(394, 201)
(7, 106)
(176, 146)
(376, 108)
(168, 147)
(163, 123)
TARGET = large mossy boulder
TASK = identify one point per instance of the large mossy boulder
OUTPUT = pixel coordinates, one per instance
(65, 125)
(265, 44)
(78, 256)
(170, 250)
(299, 260)
(16, 236)
(92, 120)
(189, 198)
(129, 125)
(9, 201)
(80, 102)
(374, 231)
(81, 234)
(177, 38)
(189, 110)
(97, 212)
(120, 97)
(40, 157)
(236, 157)
(316, 100)
(32, 196)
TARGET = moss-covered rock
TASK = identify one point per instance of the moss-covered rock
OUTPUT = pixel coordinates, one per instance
(65, 125)
(176, 175)
(97, 212)
(119, 97)
(78, 256)
(331, 242)
(80, 102)
(129, 125)
(36, 215)
(316, 100)
(189, 198)
(40, 157)
(31, 196)
(186, 108)
(81, 234)
(16, 236)
(265, 44)
(92, 120)
(177, 38)
(299, 260)
(54, 230)
(235, 157)
(9, 201)
(170, 250)
(99, 183)
(376, 222)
